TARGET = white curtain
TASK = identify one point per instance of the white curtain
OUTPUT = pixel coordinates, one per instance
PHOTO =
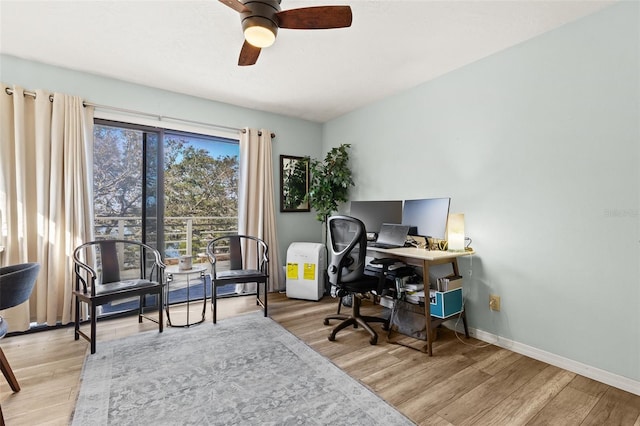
(45, 195)
(256, 198)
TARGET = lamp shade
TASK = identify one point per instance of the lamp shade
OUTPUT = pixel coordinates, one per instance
(455, 232)
(259, 32)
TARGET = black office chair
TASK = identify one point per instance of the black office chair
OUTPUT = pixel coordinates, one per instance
(16, 285)
(238, 251)
(347, 243)
(110, 270)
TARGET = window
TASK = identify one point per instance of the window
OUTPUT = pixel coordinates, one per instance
(173, 190)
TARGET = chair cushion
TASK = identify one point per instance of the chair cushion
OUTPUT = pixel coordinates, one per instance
(124, 286)
(363, 284)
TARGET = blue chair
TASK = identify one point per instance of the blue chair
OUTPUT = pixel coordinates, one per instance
(16, 285)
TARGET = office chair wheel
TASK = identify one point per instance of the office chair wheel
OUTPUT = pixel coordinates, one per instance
(373, 340)
(331, 338)
(326, 322)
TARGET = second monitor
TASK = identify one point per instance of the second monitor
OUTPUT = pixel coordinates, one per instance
(374, 213)
(429, 215)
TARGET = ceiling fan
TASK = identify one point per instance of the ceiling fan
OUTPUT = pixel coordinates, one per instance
(262, 18)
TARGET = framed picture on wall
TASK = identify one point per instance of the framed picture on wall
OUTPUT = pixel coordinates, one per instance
(294, 184)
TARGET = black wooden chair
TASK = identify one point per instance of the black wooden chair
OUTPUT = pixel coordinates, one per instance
(347, 243)
(248, 261)
(111, 270)
(16, 285)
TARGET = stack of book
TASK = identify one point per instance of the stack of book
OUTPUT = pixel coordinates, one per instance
(413, 287)
(414, 293)
(416, 297)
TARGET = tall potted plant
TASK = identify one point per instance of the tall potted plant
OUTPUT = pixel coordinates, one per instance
(329, 185)
(330, 182)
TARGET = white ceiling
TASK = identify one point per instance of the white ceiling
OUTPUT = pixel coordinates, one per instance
(192, 47)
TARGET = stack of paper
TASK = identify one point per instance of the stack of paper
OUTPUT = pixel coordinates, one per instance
(414, 287)
(414, 296)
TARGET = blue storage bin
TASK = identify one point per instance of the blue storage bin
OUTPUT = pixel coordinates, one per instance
(446, 303)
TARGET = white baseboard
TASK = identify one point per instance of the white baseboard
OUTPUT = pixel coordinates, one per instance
(597, 374)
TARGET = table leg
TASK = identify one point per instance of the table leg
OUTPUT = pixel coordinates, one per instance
(187, 302)
(203, 277)
(188, 299)
(166, 299)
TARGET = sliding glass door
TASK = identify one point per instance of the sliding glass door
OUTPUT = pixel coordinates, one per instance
(173, 190)
(127, 183)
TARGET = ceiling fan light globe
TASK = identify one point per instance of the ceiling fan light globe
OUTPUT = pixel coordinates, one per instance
(259, 36)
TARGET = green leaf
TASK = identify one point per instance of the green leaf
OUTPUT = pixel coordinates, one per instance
(330, 181)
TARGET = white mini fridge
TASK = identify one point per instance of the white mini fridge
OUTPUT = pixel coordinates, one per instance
(305, 271)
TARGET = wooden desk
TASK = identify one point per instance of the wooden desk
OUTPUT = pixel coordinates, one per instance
(425, 259)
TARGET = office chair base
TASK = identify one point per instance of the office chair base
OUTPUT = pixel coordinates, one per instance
(355, 319)
(362, 321)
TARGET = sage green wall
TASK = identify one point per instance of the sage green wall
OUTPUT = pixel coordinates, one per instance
(293, 136)
(539, 146)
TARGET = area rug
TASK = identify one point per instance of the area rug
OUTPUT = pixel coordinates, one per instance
(245, 370)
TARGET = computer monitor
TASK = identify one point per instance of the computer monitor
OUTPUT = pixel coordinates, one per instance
(374, 213)
(429, 215)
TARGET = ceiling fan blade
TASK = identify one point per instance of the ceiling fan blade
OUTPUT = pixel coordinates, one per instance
(236, 5)
(315, 18)
(249, 54)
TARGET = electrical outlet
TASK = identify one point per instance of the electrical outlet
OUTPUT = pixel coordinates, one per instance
(494, 302)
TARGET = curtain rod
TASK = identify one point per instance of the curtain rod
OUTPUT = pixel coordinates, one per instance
(9, 91)
(129, 111)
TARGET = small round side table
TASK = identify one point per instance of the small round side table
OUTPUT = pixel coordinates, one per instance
(173, 271)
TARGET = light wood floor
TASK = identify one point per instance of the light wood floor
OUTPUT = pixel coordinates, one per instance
(461, 384)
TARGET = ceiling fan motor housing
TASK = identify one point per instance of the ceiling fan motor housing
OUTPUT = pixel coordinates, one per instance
(261, 19)
(262, 14)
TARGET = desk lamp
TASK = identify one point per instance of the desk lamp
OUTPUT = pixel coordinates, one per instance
(455, 232)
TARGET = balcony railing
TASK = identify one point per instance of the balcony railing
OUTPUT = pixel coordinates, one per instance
(183, 235)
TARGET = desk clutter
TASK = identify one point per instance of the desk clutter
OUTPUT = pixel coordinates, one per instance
(406, 297)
